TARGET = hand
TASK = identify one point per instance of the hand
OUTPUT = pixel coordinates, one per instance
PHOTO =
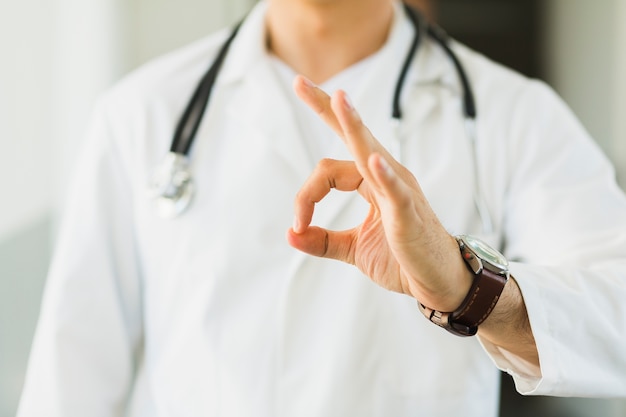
(401, 245)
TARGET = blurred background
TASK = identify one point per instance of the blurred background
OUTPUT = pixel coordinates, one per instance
(57, 56)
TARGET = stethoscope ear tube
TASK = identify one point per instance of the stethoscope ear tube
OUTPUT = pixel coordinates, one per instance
(190, 121)
(469, 105)
(396, 111)
(440, 36)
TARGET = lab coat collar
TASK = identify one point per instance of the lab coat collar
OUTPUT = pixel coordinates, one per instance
(248, 48)
(262, 104)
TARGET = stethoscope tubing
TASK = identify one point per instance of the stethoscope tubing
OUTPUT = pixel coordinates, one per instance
(189, 122)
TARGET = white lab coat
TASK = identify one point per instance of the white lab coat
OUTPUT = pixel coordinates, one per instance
(213, 314)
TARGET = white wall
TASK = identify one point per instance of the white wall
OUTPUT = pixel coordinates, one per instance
(90, 53)
(161, 25)
(619, 94)
(586, 61)
(24, 112)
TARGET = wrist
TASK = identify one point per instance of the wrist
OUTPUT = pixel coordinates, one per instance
(454, 282)
(489, 270)
(464, 280)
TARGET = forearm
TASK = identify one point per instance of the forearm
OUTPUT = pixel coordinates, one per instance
(508, 326)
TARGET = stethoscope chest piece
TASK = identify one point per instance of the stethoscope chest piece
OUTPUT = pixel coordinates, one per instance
(171, 188)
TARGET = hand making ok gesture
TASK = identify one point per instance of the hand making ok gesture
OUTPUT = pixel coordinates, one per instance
(401, 245)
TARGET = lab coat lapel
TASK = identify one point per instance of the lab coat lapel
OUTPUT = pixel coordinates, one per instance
(262, 103)
(272, 117)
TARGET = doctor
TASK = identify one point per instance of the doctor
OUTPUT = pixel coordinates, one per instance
(213, 313)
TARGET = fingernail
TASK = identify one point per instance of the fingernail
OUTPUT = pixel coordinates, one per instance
(308, 82)
(386, 168)
(347, 102)
(296, 225)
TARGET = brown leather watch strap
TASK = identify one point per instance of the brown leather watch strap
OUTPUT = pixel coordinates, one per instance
(480, 300)
(475, 308)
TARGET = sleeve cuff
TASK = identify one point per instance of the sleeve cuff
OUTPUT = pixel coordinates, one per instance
(529, 379)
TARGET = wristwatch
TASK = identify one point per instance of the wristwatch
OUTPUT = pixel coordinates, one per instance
(491, 273)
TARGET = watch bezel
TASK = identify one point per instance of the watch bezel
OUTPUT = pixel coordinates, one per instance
(483, 253)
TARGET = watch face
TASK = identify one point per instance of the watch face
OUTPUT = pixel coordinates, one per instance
(486, 252)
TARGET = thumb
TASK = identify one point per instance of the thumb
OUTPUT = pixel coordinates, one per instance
(324, 243)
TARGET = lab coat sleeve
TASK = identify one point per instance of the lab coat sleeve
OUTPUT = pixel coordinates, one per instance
(565, 229)
(88, 338)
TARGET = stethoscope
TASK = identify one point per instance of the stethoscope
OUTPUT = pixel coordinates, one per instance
(172, 188)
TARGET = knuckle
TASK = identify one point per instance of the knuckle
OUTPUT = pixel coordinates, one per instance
(299, 196)
(326, 243)
(322, 111)
(325, 164)
(405, 201)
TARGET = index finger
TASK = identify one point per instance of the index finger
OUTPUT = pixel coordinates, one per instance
(338, 113)
(358, 138)
(318, 101)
